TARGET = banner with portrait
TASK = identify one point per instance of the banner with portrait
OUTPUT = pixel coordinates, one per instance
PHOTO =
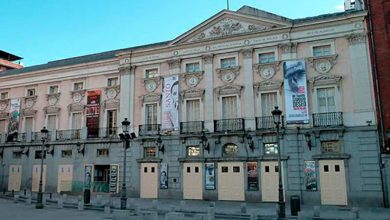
(14, 116)
(170, 103)
(253, 178)
(164, 176)
(295, 92)
(210, 176)
(310, 175)
(93, 113)
(114, 173)
(88, 176)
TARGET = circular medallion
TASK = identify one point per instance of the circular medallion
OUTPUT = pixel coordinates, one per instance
(111, 93)
(3, 106)
(77, 97)
(268, 72)
(228, 77)
(323, 66)
(29, 103)
(193, 81)
(151, 86)
(52, 100)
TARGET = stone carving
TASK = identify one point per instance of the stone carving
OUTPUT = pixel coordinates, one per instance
(192, 79)
(30, 101)
(268, 85)
(288, 47)
(324, 64)
(325, 80)
(192, 93)
(357, 38)
(52, 99)
(228, 75)
(247, 53)
(151, 84)
(267, 70)
(77, 96)
(111, 104)
(51, 110)
(208, 58)
(228, 90)
(125, 69)
(151, 97)
(227, 27)
(4, 104)
(75, 107)
(28, 112)
(112, 91)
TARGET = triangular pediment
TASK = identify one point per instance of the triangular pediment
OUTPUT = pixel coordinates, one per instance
(229, 23)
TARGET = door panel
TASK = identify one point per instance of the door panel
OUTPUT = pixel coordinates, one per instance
(65, 177)
(231, 181)
(192, 181)
(15, 177)
(35, 178)
(332, 182)
(270, 181)
(149, 180)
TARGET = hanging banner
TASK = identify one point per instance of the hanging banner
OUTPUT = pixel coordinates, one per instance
(164, 176)
(310, 175)
(170, 103)
(114, 178)
(88, 176)
(14, 116)
(253, 179)
(210, 176)
(93, 113)
(295, 92)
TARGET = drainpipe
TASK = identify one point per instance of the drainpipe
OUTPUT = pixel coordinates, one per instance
(379, 104)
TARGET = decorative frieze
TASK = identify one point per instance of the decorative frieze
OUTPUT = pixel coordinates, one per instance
(75, 107)
(28, 112)
(228, 90)
(151, 97)
(51, 110)
(228, 75)
(324, 64)
(192, 79)
(111, 104)
(151, 84)
(268, 85)
(268, 70)
(192, 93)
(4, 104)
(325, 80)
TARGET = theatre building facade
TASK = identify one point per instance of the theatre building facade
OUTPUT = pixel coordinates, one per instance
(201, 108)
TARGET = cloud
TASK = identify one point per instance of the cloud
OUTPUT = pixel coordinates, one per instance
(340, 6)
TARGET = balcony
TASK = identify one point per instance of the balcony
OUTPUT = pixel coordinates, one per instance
(102, 132)
(267, 123)
(73, 134)
(37, 136)
(223, 125)
(330, 119)
(149, 129)
(191, 127)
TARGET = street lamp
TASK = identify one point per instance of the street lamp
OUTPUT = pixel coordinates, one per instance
(44, 133)
(276, 113)
(125, 136)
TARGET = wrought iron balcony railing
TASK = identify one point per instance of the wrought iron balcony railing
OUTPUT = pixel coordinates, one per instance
(191, 127)
(236, 124)
(149, 129)
(330, 119)
(73, 134)
(108, 132)
(37, 136)
(267, 123)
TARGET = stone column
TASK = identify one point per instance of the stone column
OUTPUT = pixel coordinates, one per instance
(127, 98)
(248, 91)
(208, 103)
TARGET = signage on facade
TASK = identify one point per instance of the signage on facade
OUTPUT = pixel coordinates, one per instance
(114, 178)
(310, 175)
(88, 176)
(210, 176)
(253, 178)
(93, 113)
(164, 176)
(13, 125)
(170, 103)
(295, 90)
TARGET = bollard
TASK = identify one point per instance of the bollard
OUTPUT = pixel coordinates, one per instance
(16, 198)
(155, 204)
(174, 216)
(182, 205)
(243, 208)
(211, 213)
(80, 205)
(316, 212)
(356, 211)
(60, 202)
(137, 209)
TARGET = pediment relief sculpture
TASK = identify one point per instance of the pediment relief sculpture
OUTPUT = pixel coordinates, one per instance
(78, 95)
(323, 64)
(267, 70)
(325, 80)
(192, 93)
(52, 99)
(228, 90)
(151, 84)
(111, 104)
(268, 85)
(75, 107)
(192, 79)
(29, 101)
(228, 75)
(51, 110)
(112, 91)
(4, 104)
(151, 97)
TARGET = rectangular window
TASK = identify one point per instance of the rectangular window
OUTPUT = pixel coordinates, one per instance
(112, 81)
(276, 169)
(267, 57)
(152, 169)
(38, 154)
(150, 152)
(66, 153)
(193, 110)
(53, 89)
(330, 147)
(112, 119)
(326, 100)
(188, 169)
(193, 151)
(337, 168)
(225, 169)
(145, 169)
(326, 168)
(320, 51)
(102, 152)
(151, 73)
(78, 86)
(4, 95)
(3, 126)
(17, 154)
(30, 92)
(192, 67)
(196, 169)
(266, 169)
(28, 124)
(236, 169)
(51, 122)
(229, 107)
(270, 149)
(228, 62)
(76, 120)
(151, 113)
(268, 103)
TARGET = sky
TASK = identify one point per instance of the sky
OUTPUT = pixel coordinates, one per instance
(45, 30)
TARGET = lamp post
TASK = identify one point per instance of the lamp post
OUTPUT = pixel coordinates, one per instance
(276, 113)
(125, 137)
(39, 204)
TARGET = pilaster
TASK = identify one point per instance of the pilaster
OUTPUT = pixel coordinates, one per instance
(209, 96)
(248, 91)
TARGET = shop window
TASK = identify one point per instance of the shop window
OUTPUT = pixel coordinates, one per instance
(270, 149)
(330, 147)
(193, 151)
(102, 152)
(150, 152)
(192, 67)
(225, 169)
(66, 153)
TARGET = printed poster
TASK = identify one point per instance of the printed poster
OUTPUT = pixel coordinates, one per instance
(114, 178)
(170, 103)
(310, 175)
(14, 117)
(210, 176)
(93, 113)
(164, 176)
(295, 92)
(253, 178)
(88, 176)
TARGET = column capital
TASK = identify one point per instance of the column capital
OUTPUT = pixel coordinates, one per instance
(356, 38)
(208, 58)
(247, 53)
(288, 47)
(174, 63)
(126, 70)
